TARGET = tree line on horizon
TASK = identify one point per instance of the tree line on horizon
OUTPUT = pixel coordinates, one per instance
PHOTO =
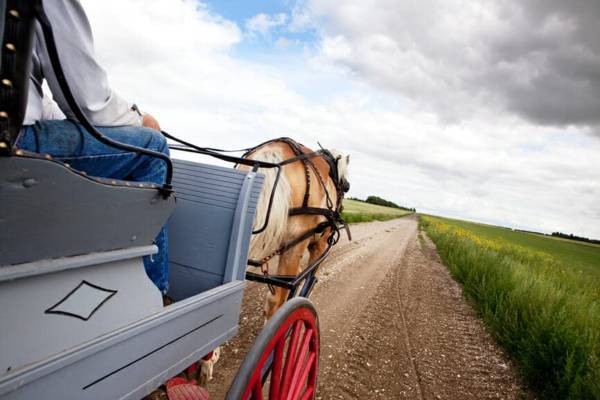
(382, 202)
(574, 237)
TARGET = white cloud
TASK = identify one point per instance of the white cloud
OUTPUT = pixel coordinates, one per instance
(301, 20)
(263, 24)
(175, 59)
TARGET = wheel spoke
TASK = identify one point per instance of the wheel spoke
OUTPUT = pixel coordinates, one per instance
(276, 370)
(308, 394)
(297, 390)
(291, 356)
(300, 361)
(257, 390)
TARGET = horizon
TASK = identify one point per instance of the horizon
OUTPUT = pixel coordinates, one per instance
(479, 111)
(489, 223)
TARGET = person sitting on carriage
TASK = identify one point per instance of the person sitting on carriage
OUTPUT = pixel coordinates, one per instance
(67, 140)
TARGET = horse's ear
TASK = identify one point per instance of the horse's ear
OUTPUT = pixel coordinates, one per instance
(348, 159)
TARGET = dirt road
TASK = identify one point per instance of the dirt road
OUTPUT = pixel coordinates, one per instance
(394, 325)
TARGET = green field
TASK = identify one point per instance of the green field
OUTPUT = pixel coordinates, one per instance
(539, 296)
(585, 256)
(358, 211)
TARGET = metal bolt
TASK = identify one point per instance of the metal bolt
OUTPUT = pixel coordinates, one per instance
(3, 145)
(7, 82)
(47, 156)
(3, 115)
(14, 13)
(19, 152)
(10, 47)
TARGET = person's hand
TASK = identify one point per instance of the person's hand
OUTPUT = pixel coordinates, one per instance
(150, 122)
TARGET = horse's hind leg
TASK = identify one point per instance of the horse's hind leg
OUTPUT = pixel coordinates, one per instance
(289, 264)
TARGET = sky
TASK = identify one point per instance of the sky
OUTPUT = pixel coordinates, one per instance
(481, 110)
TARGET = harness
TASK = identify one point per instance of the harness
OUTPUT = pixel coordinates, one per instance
(332, 213)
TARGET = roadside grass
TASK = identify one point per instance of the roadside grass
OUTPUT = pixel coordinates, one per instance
(542, 309)
(357, 211)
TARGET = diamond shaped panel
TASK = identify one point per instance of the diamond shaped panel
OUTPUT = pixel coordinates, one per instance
(83, 301)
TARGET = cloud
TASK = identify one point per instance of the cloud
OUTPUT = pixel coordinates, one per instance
(177, 60)
(301, 20)
(284, 43)
(263, 24)
(537, 59)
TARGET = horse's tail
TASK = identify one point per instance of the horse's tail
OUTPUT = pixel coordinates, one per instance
(268, 241)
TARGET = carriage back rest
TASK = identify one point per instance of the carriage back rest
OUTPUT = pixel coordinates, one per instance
(209, 233)
(16, 30)
(49, 210)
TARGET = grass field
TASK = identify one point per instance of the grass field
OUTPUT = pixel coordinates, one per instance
(539, 296)
(358, 211)
(585, 256)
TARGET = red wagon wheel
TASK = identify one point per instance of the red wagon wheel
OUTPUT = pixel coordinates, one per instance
(283, 362)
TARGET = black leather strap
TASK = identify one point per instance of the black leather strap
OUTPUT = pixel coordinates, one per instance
(17, 40)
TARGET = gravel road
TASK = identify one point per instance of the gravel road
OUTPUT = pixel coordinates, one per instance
(394, 325)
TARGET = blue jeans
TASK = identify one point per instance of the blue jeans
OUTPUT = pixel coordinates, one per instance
(69, 142)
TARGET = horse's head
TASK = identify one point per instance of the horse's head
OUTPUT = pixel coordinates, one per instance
(342, 161)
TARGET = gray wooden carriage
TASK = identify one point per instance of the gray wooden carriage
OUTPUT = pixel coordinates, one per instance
(78, 313)
(79, 318)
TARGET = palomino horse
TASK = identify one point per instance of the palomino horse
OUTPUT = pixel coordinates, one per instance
(315, 181)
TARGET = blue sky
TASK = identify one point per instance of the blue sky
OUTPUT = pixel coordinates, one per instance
(240, 11)
(289, 62)
(260, 47)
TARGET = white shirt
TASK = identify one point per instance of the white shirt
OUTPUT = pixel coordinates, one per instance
(87, 79)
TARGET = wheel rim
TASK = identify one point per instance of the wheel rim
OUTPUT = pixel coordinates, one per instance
(287, 369)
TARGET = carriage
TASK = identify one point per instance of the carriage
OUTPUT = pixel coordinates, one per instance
(79, 318)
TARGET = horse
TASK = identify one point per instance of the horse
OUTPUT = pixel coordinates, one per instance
(315, 180)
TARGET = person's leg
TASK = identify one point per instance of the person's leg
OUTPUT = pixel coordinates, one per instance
(69, 142)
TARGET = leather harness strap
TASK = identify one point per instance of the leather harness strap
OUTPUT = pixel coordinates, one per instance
(304, 160)
(313, 211)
